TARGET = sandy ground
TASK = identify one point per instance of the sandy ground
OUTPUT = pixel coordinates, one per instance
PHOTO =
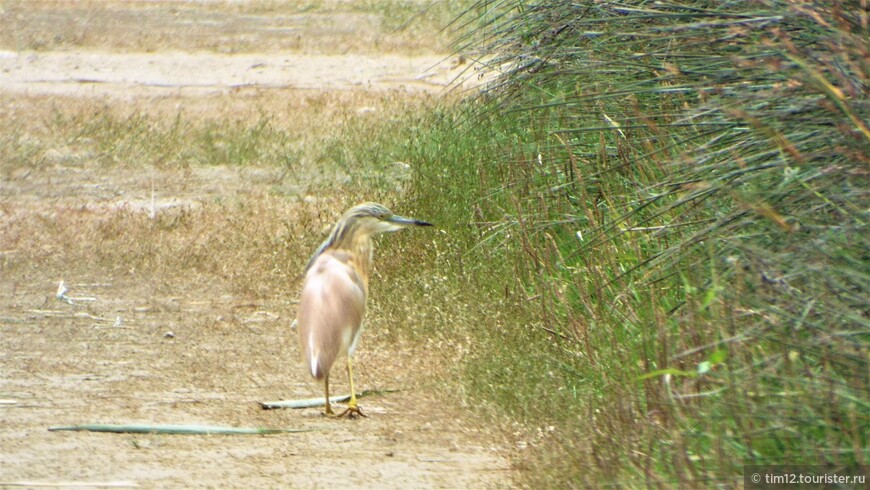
(135, 348)
(112, 362)
(129, 75)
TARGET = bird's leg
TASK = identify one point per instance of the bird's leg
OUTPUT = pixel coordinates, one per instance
(326, 389)
(352, 407)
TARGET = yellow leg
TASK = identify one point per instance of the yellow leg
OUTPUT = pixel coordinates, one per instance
(352, 402)
(352, 407)
(326, 389)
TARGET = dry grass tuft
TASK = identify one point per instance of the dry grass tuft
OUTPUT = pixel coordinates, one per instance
(330, 27)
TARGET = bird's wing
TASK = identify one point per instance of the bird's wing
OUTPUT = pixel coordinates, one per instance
(331, 309)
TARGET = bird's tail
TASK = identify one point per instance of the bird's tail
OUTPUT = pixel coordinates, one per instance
(315, 365)
(318, 359)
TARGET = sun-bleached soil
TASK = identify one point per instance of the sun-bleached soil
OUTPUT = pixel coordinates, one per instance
(130, 75)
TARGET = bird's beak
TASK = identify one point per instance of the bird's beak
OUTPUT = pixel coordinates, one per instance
(405, 222)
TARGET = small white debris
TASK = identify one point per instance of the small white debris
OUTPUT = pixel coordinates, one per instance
(61, 291)
(169, 335)
(62, 296)
(118, 321)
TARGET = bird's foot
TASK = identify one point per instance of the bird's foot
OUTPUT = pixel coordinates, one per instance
(351, 412)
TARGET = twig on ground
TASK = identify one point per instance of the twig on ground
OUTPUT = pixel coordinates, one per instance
(318, 402)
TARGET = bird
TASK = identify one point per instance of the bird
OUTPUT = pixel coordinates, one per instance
(334, 291)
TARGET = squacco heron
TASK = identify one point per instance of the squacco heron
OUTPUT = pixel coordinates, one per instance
(334, 292)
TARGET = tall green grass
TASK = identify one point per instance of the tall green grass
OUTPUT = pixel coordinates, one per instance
(656, 224)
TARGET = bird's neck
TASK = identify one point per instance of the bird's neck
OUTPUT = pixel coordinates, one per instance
(360, 249)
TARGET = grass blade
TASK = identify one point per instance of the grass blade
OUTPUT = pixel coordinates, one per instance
(172, 429)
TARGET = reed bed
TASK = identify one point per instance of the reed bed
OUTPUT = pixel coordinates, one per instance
(670, 200)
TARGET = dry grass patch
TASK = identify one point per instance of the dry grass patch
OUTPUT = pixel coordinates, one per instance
(383, 26)
(194, 149)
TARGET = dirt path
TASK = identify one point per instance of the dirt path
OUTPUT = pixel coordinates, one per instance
(160, 344)
(130, 75)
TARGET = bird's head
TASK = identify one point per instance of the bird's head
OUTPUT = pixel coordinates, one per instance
(359, 224)
(371, 218)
